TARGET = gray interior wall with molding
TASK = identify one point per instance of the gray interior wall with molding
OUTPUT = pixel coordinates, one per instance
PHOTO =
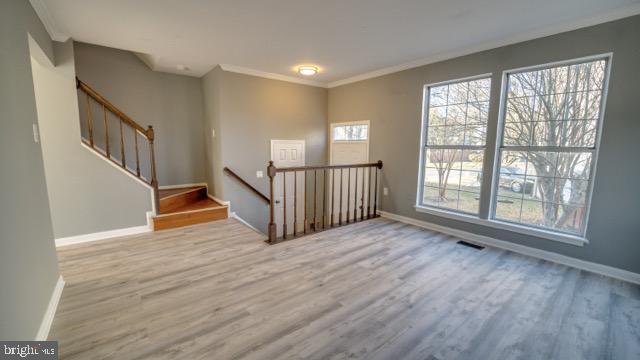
(28, 262)
(393, 104)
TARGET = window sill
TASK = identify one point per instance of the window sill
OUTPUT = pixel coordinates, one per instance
(539, 233)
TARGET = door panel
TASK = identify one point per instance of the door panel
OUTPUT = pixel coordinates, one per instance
(288, 153)
(349, 152)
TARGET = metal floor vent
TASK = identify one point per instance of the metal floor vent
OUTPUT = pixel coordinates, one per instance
(475, 246)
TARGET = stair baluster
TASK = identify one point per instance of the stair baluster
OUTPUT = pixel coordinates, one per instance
(123, 120)
(312, 223)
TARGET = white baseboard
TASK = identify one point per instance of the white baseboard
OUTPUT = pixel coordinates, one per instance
(47, 319)
(222, 202)
(521, 249)
(150, 215)
(165, 187)
(78, 239)
(219, 201)
(235, 216)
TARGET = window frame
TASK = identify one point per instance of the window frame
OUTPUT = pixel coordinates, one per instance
(577, 239)
(333, 126)
(424, 135)
(488, 219)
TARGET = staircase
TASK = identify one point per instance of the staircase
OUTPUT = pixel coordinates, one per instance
(182, 206)
(106, 132)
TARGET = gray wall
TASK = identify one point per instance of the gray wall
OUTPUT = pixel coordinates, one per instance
(393, 104)
(28, 265)
(251, 112)
(211, 89)
(172, 104)
(86, 193)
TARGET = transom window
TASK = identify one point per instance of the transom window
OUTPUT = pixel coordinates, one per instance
(549, 139)
(454, 134)
(356, 132)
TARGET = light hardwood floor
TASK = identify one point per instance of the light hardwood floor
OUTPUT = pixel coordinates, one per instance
(376, 290)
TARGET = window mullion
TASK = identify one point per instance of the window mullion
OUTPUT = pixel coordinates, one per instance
(456, 147)
(559, 149)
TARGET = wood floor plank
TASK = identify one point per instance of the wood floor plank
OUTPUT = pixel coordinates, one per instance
(373, 290)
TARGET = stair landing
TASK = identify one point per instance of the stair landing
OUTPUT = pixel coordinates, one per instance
(183, 206)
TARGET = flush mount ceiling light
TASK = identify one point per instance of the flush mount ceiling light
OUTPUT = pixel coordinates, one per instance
(307, 70)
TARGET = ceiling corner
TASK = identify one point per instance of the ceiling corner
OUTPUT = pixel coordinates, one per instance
(47, 20)
(147, 59)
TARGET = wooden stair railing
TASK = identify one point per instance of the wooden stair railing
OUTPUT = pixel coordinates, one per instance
(260, 195)
(124, 121)
(362, 194)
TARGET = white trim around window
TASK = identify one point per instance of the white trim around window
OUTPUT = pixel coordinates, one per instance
(491, 221)
(499, 147)
(496, 224)
(424, 138)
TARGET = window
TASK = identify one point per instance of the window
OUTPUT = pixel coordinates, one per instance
(357, 132)
(453, 135)
(549, 137)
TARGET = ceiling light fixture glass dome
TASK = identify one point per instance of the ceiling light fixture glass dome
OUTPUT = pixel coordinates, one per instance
(307, 70)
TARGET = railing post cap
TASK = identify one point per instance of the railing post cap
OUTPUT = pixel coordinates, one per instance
(271, 169)
(150, 132)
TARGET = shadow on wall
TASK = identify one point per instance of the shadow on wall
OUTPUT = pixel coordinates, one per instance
(256, 211)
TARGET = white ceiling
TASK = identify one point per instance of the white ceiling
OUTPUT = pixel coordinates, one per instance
(348, 39)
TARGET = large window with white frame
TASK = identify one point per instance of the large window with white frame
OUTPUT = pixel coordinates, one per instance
(547, 143)
(453, 144)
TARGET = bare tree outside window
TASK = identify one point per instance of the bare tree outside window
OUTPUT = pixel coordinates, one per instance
(351, 132)
(548, 145)
(456, 123)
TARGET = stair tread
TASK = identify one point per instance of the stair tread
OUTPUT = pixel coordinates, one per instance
(202, 204)
(165, 193)
(194, 212)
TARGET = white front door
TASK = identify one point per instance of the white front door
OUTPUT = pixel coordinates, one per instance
(288, 153)
(350, 145)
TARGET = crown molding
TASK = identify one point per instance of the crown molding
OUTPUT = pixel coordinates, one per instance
(616, 14)
(43, 13)
(47, 20)
(268, 75)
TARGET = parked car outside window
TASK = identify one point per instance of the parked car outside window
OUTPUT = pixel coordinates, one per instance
(513, 178)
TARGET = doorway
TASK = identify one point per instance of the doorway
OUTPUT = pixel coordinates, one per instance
(349, 144)
(288, 153)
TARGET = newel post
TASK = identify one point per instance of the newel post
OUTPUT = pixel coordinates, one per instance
(375, 196)
(154, 177)
(271, 172)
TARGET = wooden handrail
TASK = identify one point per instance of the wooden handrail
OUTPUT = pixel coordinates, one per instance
(123, 119)
(104, 102)
(262, 196)
(377, 164)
